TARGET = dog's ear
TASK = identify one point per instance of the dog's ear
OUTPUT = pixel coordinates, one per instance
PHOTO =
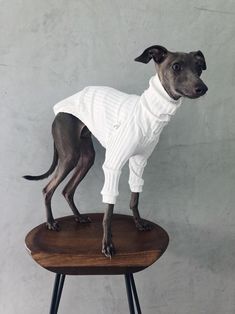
(200, 59)
(158, 53)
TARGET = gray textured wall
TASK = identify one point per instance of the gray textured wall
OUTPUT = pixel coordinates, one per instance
(51, 49)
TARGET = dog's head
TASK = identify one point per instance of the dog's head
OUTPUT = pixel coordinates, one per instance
(179, 72)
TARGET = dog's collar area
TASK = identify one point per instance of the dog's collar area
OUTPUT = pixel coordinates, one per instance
(157, 101)
(165, 97)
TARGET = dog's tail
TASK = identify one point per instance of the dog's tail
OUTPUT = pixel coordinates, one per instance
(50, 171)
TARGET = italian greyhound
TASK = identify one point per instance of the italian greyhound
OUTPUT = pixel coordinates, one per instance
(179, 75)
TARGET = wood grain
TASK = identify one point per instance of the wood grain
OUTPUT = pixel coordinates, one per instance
(76, 248)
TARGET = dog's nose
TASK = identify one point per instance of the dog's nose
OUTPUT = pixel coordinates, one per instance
(201, 89)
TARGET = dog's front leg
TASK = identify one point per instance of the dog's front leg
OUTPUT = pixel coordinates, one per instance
(107, 245)
(139, 222)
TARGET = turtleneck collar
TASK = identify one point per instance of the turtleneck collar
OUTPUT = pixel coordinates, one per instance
(155, 108)
(157, 101)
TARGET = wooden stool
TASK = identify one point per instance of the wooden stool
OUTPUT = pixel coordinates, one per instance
(76, 250)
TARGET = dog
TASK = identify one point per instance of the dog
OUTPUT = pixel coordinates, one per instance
(128, 126)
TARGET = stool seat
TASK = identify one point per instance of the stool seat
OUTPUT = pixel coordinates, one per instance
(76, 248)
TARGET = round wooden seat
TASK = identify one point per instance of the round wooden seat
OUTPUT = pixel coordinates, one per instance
(76, 248)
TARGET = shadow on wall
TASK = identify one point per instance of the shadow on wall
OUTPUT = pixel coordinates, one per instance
(208, 248)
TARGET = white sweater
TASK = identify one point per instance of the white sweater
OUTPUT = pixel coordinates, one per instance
(128, 126)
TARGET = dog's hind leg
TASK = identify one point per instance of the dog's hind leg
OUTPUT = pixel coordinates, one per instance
(62, 171)
(85, 162)
(66, 130)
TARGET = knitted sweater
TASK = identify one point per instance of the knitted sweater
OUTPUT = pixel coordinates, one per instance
(128, 126)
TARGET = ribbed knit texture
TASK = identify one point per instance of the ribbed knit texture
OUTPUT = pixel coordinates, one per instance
(128, 126)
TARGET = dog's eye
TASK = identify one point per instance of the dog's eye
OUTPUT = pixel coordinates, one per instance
(176, 67)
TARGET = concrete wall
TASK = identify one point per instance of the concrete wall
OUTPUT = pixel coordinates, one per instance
(51, 49)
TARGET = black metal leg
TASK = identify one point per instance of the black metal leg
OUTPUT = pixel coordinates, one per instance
(131, 291)
(135, 294)
(129, 294)
(60, 288)
(130, 288)
(57, 290)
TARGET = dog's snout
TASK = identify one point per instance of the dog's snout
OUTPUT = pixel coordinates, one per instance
(201, 89)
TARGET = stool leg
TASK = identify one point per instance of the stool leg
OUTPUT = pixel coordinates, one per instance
(129, 294)
(57, 291)
(135, 294)
(60, 288)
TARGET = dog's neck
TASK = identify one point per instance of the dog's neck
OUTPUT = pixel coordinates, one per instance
(156, 107)
(158, 100)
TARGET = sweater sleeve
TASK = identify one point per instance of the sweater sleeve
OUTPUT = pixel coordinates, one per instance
(120, 147)
(137, 163)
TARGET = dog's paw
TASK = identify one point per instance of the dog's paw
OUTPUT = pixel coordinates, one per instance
(143, 225)
(53, 225)
(108, 248)
(82, 219)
